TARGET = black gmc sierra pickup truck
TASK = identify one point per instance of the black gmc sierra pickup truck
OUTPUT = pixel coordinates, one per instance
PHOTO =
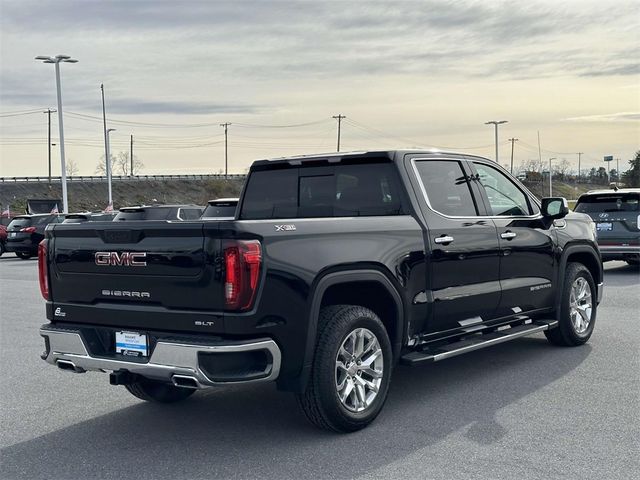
(336, 268)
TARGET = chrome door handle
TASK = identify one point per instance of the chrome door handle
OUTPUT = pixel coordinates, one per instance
(508, 235)
(443, 239)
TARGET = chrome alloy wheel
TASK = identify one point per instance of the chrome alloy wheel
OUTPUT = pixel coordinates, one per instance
(359, 370)
(580, 304)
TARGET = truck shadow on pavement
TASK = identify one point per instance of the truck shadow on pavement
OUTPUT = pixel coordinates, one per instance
(257, 432)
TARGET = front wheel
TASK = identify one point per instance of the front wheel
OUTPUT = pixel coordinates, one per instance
(351, 370)
(159, 392)
(578, 307)
(634, 262)
(23, 256)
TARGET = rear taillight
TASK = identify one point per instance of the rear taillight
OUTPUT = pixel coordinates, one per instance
(28, 229)
(242, 260)
(43, 275)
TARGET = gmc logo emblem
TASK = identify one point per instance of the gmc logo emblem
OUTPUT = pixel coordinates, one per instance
(122, 259)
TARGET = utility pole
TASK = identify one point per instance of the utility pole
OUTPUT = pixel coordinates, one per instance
(513, 141)
(495, 123)
(226, 151)
(551, 178)
(579, 161)
(49, 112)
(131, 155)
(617, 170)
(339, 117)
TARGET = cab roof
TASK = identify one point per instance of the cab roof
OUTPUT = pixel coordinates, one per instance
(336, 157)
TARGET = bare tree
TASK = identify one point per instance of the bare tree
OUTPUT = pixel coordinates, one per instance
(123, 164)
(101, 167)
(71, 167)
(561, 169)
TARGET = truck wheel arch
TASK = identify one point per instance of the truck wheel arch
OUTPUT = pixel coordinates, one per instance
(584, 254)
(348, 277)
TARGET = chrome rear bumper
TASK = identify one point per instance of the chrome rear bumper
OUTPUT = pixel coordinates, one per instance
(171, 362)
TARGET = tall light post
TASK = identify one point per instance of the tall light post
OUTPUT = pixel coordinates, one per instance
(109, 130)
(495, 123)
(551, 178)
(63, 171)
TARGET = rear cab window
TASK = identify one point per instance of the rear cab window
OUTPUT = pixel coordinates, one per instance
(144, 214)
(341, 190)
(220, 210)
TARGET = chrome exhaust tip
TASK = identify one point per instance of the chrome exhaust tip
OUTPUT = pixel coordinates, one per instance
(185, 381)
(69, 366)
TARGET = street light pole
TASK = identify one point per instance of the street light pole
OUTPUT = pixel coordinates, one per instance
(49, 112)
(495, 123)
(551, 178)
(63, 171)
(109, 165)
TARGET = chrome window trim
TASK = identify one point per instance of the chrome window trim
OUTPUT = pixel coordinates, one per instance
(461, 160)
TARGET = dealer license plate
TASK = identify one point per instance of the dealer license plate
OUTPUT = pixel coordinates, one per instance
(131, 343)
(603, 226)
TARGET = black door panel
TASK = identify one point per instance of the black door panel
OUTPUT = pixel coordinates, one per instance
(462, 248)
(527, 253)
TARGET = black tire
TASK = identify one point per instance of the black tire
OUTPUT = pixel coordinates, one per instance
(159, 392)
(320, 401)
(634, 262)
(566, 334)
(23, 256)
(2, 249)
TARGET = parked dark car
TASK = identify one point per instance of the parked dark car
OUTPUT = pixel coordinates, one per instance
(159, 212)
(221, 209)
(89, 217)
(3, 239)
(25, 232)
(617, 215)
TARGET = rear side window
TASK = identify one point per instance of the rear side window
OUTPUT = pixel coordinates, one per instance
(608, 203)
(447, 187)
(333, 191)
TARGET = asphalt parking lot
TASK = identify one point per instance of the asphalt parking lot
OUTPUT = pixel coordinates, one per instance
(520, 410)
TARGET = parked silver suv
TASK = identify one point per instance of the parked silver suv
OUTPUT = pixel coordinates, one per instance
(617, 215)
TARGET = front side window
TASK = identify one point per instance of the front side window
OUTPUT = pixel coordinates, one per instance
(505, 198)
(447, 187)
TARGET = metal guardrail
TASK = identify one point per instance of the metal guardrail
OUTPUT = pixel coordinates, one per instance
(115, 178)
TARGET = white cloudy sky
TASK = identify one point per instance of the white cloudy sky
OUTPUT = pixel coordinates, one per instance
(423, 73)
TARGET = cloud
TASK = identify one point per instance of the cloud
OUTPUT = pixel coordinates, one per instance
(608, 117)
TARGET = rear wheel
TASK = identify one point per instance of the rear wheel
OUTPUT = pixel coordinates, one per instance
(633, 261)
(154, 391)
(578, 307)
(2, 249)
(23, 256)
(351, 370)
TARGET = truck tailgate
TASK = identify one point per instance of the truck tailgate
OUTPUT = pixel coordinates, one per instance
(143, 270)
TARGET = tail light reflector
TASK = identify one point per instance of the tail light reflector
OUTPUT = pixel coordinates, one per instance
(242, 261)
(28, 229)
(43, 274)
